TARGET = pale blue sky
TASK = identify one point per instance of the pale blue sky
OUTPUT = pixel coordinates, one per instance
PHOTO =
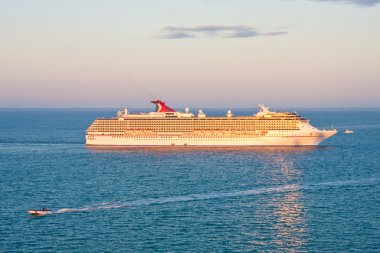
(215, 53)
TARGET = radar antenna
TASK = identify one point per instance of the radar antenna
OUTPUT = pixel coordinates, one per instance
(264, 108)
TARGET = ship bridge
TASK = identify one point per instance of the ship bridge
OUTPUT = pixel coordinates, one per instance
(265, 113)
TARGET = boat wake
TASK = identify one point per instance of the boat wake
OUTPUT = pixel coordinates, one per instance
(208, 196)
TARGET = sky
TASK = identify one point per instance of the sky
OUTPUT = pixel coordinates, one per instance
(200, 53)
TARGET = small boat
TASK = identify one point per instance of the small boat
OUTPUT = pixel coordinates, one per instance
(44, 211)
(348, 131)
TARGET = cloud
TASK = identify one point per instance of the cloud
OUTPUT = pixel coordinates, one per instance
(178, 35)
(179, 32)
(356, 2)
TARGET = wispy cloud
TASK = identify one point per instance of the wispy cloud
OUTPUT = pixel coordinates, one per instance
(178, 35)
(179, 32)
(356, 2)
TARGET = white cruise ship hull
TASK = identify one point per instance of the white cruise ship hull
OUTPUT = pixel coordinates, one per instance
(272, 138)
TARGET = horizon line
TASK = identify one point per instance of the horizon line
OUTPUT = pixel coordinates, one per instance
(133, 108)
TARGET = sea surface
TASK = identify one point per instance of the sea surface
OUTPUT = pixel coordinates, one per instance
(260, 199)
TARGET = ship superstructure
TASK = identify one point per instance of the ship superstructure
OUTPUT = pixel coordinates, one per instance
(168, 127)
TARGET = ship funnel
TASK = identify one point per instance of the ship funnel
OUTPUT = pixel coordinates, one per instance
(161, 106)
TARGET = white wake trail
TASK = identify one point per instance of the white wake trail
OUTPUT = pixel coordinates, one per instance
(207, 196)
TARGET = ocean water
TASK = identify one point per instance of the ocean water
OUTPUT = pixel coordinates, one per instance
(258, 199)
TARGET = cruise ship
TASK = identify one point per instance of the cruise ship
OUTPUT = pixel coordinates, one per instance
(168, 127)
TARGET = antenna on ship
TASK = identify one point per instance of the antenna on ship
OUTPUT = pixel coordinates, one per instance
(146, 92)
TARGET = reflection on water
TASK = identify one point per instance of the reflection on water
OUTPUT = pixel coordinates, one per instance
(170, 149)
(290, 224)
(285, 211)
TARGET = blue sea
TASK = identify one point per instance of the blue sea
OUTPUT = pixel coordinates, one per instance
(257, 199)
